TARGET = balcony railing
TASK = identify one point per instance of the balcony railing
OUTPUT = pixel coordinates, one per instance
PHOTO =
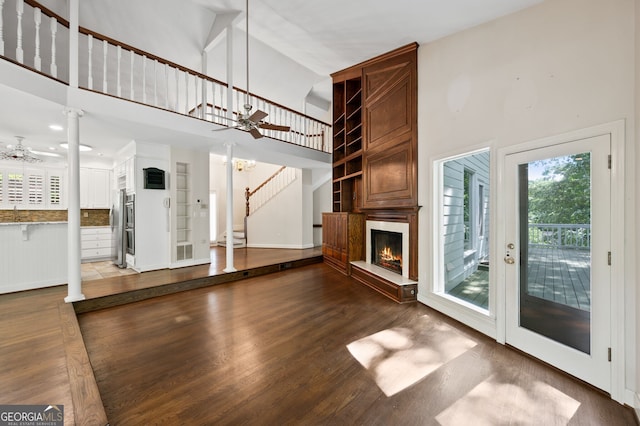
(38, 39)
(577, 236)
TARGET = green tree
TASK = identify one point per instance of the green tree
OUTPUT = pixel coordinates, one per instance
(563, 193)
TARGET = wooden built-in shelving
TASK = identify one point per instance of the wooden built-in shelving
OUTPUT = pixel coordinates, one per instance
(347, 143)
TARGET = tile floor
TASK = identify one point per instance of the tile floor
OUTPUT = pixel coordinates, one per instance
(103, 269)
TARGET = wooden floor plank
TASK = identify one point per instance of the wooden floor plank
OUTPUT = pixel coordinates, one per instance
(269, 350)
(273, 350)
(88, 408)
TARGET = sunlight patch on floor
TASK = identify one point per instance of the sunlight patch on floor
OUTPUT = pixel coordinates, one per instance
(399, 357)
(492, 402)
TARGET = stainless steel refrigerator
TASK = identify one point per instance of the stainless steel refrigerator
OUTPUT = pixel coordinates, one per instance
(118, 231)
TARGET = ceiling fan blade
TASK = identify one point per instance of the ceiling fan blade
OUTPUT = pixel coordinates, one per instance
(268, 126)
(255, 133)
(257, 116)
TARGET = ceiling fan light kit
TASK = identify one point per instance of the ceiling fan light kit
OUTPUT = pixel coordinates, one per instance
(19, 153)
(247, 121)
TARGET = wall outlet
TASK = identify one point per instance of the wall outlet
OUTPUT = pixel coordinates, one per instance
(85, 214)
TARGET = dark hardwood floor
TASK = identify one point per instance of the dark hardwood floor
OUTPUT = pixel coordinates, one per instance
(273, 350)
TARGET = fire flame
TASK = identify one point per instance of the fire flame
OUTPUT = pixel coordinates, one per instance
(387, 255)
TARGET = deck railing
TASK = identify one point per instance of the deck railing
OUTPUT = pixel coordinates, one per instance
(108, 66)
(576, 236)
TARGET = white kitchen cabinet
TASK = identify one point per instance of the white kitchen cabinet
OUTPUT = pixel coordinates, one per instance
(130, 172)
(96, 242)
(95, 188)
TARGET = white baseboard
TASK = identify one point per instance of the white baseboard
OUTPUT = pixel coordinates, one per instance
(191, 262)
(12, 288)
(282, 246)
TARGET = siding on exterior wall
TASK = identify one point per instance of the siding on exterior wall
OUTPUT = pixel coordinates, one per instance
(457, 265)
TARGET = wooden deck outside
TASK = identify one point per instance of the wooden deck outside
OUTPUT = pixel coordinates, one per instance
(560, 275)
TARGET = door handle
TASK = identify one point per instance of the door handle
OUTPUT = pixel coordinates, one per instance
(509, 260)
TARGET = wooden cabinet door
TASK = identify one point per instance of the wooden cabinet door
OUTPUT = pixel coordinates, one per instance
(390, 132)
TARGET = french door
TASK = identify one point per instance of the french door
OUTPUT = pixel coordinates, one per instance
(556, 256)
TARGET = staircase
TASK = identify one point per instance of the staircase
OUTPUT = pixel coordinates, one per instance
(239, 239)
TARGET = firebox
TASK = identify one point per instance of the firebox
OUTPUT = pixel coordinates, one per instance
(386, 250)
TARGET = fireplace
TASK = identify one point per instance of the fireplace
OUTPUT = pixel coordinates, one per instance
(387, 246)
(386, 250)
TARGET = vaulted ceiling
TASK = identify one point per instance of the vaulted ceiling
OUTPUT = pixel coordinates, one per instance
(294, 44)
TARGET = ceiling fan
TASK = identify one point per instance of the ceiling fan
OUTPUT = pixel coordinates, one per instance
(19, 152)
(247, 121)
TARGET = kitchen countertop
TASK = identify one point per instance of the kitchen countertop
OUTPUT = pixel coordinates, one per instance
(33, 223)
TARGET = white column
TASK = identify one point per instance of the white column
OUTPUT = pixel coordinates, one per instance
(229, 74)
(74, 36)
(74, 287)
(1, 30)
(229, 248)
(203, 110)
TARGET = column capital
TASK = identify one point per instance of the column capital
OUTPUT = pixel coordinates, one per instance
(70, 112)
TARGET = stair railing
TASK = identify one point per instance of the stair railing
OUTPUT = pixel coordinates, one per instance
(268, 189)
(110, 67)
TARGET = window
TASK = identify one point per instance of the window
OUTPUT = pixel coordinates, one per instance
(15, 188)
(463, 252)
(35, 190)
(55, 189)
(32, 188)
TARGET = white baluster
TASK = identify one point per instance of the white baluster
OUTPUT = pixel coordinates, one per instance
(177, 76)
(105, 47)
(1, 31)
(37, 19)
(186, 93)
(119, 71)
(144, 79)
(19, 51)
(90, 68)
(54, 29)
(132, 56)
(198, 107)
(155, 82)
(166, 86)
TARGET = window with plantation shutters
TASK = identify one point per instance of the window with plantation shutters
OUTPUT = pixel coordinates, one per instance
(15, 188)
(35, 190)
(55, 183)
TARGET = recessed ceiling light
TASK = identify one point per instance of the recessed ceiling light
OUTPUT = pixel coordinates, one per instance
(56, 127)
(82, 147)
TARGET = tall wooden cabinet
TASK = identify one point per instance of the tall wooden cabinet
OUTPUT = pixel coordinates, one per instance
(375, 161)
(342, 239)
(375, 138)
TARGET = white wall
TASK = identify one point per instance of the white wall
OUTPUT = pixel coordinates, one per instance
(199, 190)
(632, 268)
(556, 67)
(153, 237)
(287, 220)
